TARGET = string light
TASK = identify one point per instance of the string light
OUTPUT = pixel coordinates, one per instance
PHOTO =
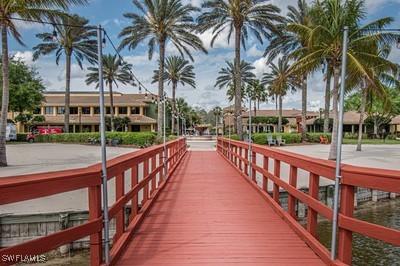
(106, 36)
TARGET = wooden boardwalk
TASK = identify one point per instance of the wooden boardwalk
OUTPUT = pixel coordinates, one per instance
(209, 215)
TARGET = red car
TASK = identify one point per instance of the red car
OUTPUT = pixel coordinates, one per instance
(43, 131)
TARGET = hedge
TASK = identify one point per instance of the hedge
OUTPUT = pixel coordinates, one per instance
(141, 139)
(261, 138)
(314, 137)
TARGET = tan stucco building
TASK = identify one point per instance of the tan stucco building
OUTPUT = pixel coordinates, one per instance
(85, 111)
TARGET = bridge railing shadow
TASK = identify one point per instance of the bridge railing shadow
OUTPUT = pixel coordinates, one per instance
(262, 157)
(144, 168)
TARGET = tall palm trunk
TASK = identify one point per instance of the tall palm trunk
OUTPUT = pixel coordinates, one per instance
(335, 98)
(238, 85)
(5, 97)
(304, 108)
(280, 114)
(67, 90)
(255, 108)
(111, 105)
(362, 112)
(327, 100)
(160, 111)
(174, 85)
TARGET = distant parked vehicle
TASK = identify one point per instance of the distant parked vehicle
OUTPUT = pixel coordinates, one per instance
(43, 131)
(11, 132)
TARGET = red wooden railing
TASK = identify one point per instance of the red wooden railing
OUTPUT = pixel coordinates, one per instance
(19, 188)
(385, 180)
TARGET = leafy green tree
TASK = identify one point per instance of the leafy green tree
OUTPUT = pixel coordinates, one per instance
(177, 70)
(115, 71)
(279, 82)
(325, 39)
(75, 39)
(241, 18)
(226, 77)
(159, 22)
(26, 87)
(292, 44)
(30, 120)
(25, 9)
(257, 93)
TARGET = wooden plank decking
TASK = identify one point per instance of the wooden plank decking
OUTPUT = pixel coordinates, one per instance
(209, 215)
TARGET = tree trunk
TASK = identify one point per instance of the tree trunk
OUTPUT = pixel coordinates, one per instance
(362, 112)
(327, 101)
(160, 111)
(111, 105)
(5, 97)
(255, 108)
(304, 108)
(174, 86)
(376, 126)
(335, 98)
(67, 90)
(280, 115)
(238, 85)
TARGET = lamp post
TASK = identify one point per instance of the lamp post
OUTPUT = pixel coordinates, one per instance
(250, 157)
(339, 145)
(103, 147)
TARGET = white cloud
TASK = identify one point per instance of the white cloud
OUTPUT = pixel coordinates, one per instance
(254, 52)
(25, 56)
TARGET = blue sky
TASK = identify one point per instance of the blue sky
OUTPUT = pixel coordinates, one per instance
(109, 13)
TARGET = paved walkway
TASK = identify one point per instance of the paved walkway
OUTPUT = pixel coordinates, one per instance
(209, 215)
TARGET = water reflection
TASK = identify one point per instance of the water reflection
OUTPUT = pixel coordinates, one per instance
(368, 251)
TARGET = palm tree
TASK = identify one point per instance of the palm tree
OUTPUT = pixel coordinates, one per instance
(257, 93)
(24, 9)
(74, 38)
(241, 17)
(279, 81)
(160, 22)
(325, 40)
(177, 70)
(226, 75)
(114, 70)
(217, 111)
(289, 42)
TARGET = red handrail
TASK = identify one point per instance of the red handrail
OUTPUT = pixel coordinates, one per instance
(352, 176)
(26, 187)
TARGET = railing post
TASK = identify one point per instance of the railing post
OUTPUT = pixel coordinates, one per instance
(345, 236)
(246, 162)
(312, 215)
(236, 158)
(240, 159)
(153, 180)
(95, 213)
(253, 162)
(120, 217)
(161, 162)
(146, 186)
(277, 174)
(134, 182)
(291, 199)
(265, 177)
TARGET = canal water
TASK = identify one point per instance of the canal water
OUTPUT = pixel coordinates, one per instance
(367, 251)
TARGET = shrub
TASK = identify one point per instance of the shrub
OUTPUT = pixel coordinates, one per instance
(234, 137)
(290, 138)
(141, 139)
(314, 137)
(22, 137)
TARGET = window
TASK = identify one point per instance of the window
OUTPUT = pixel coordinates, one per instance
(73, 110)
(108, 110)
(86, 110)
(135, 110)
(135, 128)
(48, 110)
(37, 111)
(96, 110)
(123, 110)
(61, 110)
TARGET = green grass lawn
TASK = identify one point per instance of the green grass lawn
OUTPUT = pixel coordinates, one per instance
(371, 141)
